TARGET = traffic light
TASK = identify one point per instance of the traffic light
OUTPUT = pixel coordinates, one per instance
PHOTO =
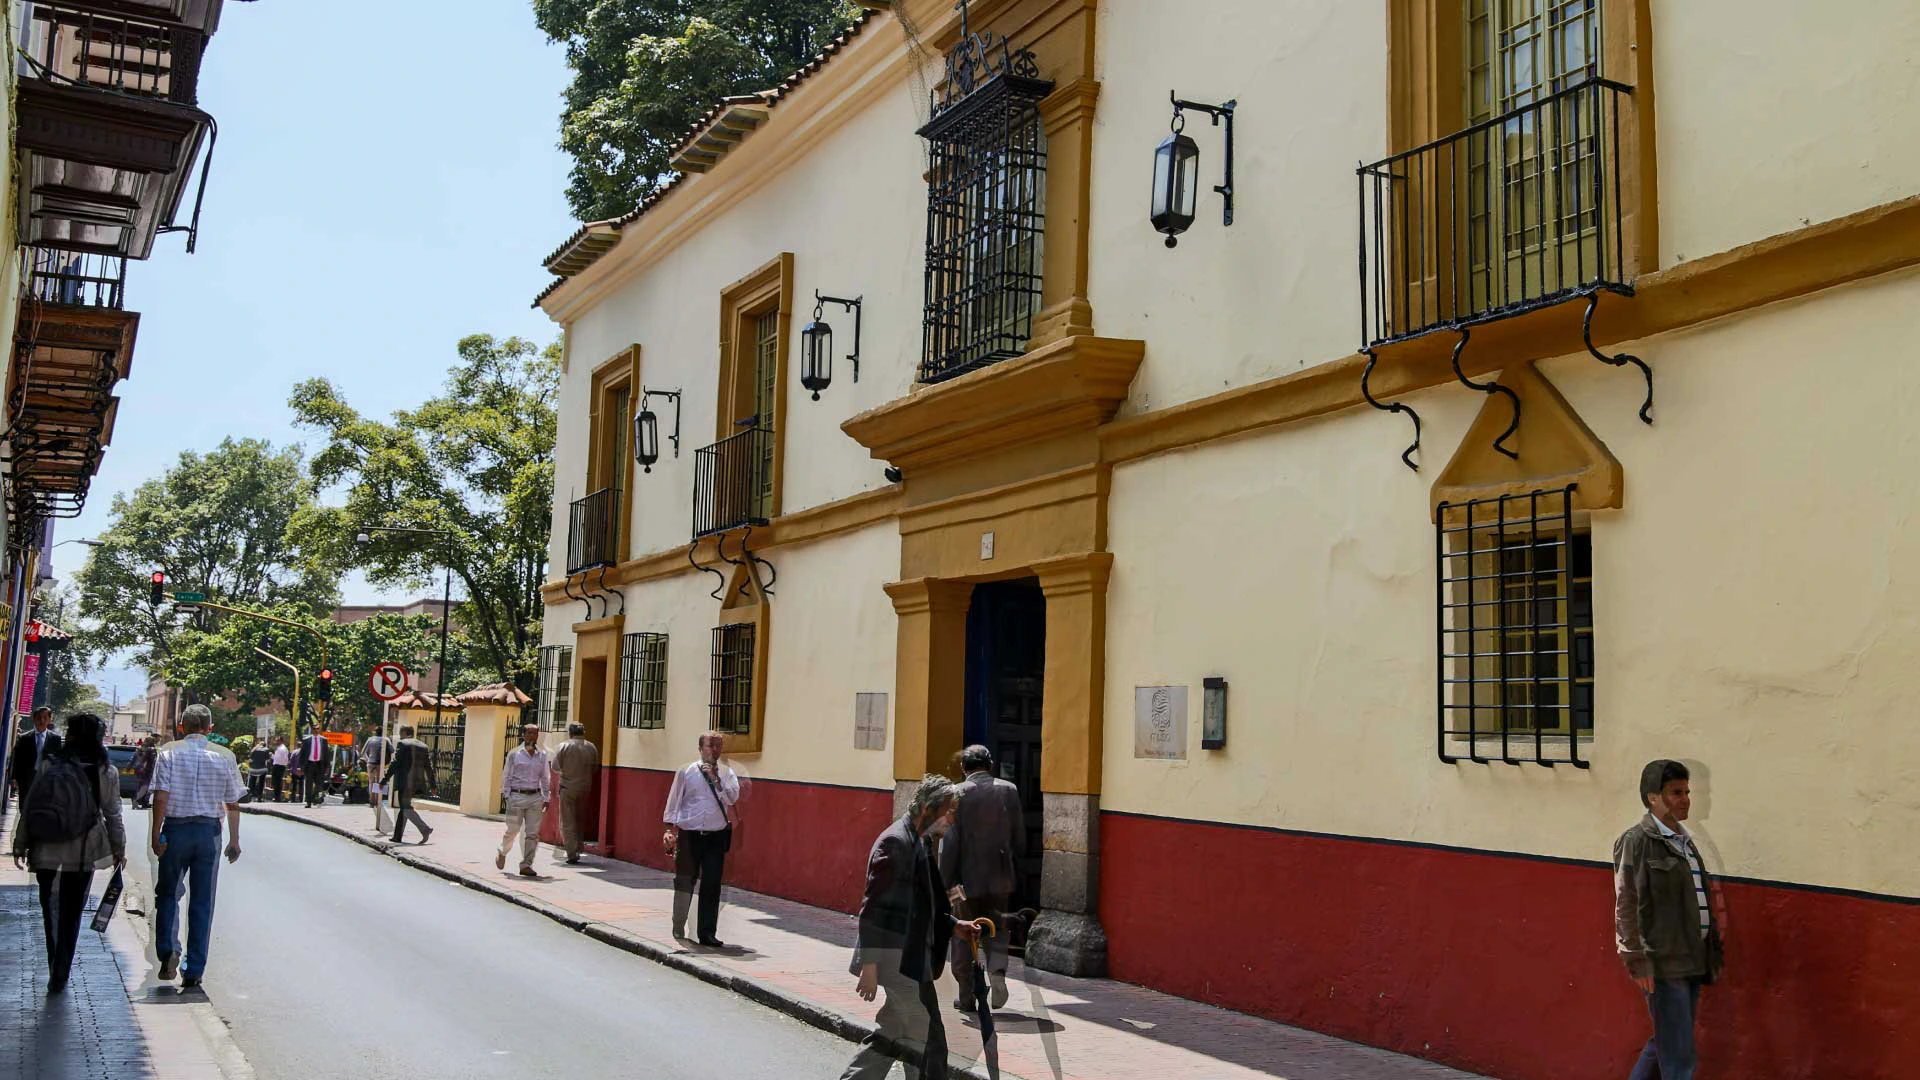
(323, 690)
(159, 596)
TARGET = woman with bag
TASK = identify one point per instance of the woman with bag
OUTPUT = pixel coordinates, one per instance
(67, 833)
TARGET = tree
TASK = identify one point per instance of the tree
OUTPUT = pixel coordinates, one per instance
(218, 523)
(477, 461)
(645, 70)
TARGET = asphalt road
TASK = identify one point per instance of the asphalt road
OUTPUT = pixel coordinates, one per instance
(330, 960)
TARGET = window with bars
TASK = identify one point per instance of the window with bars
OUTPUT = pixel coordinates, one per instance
(1516, 648)
(556, 686)
(986, 200)
(643, 681)
(730, 690)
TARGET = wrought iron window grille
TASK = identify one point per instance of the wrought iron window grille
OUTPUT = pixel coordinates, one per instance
(643, 681)
(1514, 630)
(75, 278)
(591, 533)
(554, 699)
(733, 482)
(986, 197)
(730, 689)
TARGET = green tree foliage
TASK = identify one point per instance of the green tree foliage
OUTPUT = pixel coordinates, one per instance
(62, 671)
(218, 523)
(478, 461)
(645, 70)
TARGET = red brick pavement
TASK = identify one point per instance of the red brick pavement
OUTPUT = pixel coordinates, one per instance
(1055, 1028)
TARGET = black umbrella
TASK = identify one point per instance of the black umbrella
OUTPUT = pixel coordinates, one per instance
(989, 1041)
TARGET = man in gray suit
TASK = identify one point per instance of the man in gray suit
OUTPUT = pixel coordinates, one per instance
(979, 858)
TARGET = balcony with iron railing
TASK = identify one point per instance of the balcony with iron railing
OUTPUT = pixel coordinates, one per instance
(1518, 212)
(70, 45)
(592, 531)
(76, 279)
(733, 482)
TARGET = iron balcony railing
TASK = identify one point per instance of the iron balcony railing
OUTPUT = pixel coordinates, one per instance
(590, 531)
(76, 278)
(1514, 213)
(128, 55)
(733, 482)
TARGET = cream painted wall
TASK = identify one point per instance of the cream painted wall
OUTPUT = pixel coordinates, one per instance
(1779, 113)
(833, 637)
(1276, 291)
(1757, 610)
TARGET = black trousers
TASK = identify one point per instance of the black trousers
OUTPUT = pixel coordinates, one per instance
(314, 784)
(700, 857)
(63, 899)
(279, 779)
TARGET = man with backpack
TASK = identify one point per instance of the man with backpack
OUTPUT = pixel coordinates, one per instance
(193, 781)
(69, 827)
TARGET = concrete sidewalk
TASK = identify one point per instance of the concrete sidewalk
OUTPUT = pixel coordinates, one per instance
(113, 1020)
(794, 958)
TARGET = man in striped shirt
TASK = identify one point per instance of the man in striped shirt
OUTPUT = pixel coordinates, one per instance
(194, 783)
(1664, 923)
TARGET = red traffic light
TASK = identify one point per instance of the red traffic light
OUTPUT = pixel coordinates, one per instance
(159, 579)
(326, 675)
(324, 691)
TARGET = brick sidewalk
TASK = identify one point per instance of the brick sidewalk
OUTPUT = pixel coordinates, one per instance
(110, 1022)
(795, 957)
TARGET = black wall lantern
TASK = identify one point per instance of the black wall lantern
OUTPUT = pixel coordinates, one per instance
(1176, 171)
(646, 429)
(816, 344)
(1213, 713)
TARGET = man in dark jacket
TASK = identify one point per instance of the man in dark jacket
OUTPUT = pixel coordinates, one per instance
(978, 860)
(29, 750)
(1665, 924)
(410, 773)
(905, 923)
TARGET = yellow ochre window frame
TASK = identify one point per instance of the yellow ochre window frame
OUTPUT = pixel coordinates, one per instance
(613, 396)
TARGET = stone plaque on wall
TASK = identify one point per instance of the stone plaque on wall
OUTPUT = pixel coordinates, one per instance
(869, 721)
(1160, 722)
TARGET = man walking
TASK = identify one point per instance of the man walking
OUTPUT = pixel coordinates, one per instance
(279, 768)
(193, 781)
(979, 860)
(29, 750)
(373, 758)
(578, 760)
(257, 761)
(699, 819)
(905, 924)
(1664, 922)
(409, 774)
(528, 783)
(313, 765)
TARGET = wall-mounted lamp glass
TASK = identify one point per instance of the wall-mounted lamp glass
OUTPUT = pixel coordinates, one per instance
(1176, 171)
(1213, 716)
(816, 344)
(646, 428)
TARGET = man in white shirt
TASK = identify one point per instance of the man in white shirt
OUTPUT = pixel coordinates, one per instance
(313, 764)
(193, 782)
(699, 819)
(527, 780)
(278, 770)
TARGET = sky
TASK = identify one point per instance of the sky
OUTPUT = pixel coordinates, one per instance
(386, 181)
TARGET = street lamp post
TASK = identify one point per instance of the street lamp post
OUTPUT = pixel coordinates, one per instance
(446, 601)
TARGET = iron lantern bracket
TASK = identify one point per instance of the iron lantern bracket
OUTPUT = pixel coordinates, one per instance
(1220, 112)
(853, 305)
(649, 392)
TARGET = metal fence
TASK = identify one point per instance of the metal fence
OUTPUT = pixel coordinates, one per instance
(733, 482)
(448, 743)
(124, 54)
(76, 278)
(590, 531)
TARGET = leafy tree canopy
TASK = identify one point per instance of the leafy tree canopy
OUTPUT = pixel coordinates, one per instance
(218, 523)
(476, 461)
(645, 70)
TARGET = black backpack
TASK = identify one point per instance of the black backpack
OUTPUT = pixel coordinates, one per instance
(62, 805)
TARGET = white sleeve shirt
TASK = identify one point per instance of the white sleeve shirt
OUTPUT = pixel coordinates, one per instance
(525, 771)
(279, 755)
(691, 805)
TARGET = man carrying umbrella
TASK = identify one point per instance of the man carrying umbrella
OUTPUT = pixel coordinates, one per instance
(905, 923)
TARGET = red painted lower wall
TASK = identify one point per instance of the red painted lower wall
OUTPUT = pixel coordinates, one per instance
(1498, 964)
(805, 842)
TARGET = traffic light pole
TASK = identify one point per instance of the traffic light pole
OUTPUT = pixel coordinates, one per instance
(264, 617)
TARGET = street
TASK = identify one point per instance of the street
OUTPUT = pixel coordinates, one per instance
(331, 960)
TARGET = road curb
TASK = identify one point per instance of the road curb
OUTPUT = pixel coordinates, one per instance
(817, 1016)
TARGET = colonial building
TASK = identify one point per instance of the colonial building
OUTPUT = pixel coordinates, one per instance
(1527, 396)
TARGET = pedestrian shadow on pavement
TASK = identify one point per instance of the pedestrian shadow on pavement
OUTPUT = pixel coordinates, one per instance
(88, 1031)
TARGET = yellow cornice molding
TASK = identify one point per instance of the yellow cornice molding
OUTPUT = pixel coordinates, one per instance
(1072, 384)
(1796, 263)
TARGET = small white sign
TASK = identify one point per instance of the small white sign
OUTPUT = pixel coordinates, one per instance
(262, 729)
(1160, 722)
(869, 721)
(986, 545)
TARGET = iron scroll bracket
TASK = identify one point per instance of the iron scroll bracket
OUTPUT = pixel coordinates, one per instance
(695, 563)
(755, 562)
(1218, 113)
(1617, 360)
(1406, 456)
(1489, 387)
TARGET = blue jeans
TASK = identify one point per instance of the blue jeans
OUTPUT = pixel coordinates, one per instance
(1669, 1054)
(193, 853)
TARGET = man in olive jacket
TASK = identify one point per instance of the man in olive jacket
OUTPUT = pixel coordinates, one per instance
(1664, 920)
(905, 922)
